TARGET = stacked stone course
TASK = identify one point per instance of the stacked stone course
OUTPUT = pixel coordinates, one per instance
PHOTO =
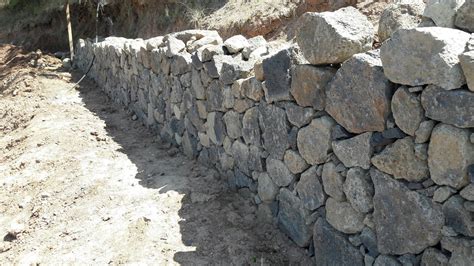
(362, 156)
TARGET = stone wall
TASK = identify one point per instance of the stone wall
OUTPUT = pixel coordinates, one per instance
(361, 156)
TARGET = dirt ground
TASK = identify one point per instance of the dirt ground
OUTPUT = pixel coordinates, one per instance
(81, 183)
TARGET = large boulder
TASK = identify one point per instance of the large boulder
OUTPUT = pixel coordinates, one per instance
(333, 248)
(314, 140)
(407, 110)
(425, 56)
(358, 98)
(442, 12)
(465, 17)
(451, 107)
(292, 217)
(449, 155)
(333, 37)
(405, 221)
(401, 15)
(308, 85)
(467, 64)
(355, 151)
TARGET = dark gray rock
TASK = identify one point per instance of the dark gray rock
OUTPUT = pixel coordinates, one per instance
(279, 173)
(332, 247)
(243, 181)
(385, 260)
(333, 182)
(451, 107)
(358, 97)
(314, 140)
(241, 155)
(181, 63)
(297, 115)
(432, 256)
(267, 189)
(355, 151)
(407, 110)
(423, 133)
(369, 240)
(233, 124)
(398, 231)
(465, 16)
(250, 127)
(457, 217)
(215, 127)
(190, 145)
(234, 69)
(275, 130)
(339, 133)
(276, 69)
(252, 89)
(196, 85)
(310, 190)
(256, 156)
(215, 96)
(308, 85)
(359, 190)
(292, 218)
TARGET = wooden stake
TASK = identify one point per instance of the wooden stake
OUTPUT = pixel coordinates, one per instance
(69, 31)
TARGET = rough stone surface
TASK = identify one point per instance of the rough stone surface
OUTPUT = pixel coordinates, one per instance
(275, 130)
(423, 133)
(369, 239)
(385, 260)
(400, 231)
(215, 127)
(276, 70)
(443, 193)
(333, 182)
(254, 43)
(355, 151)
(292, 218)
(252, 89)
(174, 46)
(400, 160)
(298, 115)
(343, 217)
(458, 217)
(425, 56)
(308, 85)
(467, 64)
(295, 162)
(233, 124)
(332, 247)
(279, 173)
(241, 155)
(468, 192)
(250, 127)
(407, 110)
(432, 256)
(314, 141)
(310, 190)
(449, 155)
(333, 37)
(450, 107)
(442, 12)
(236, 44)
(465, 16)
(359, 190)
(358, 98)
(267, 189)
(402, 15)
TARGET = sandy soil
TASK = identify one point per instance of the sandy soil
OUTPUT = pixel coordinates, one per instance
(81, 183)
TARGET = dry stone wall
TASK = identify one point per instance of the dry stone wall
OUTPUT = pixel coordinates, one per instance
(361, 156)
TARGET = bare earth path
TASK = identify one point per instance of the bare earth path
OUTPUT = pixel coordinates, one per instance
(81, 183)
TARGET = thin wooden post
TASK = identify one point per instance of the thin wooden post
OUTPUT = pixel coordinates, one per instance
(69, 31)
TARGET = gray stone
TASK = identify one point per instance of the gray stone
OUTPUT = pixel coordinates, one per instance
(458, 217)
(254, 43)
(296, 164)
(333, 182)
(433, 257)
(233, 124)
(468, 192)
(385, 260)
(210, 51)
(423, 133)
(196, 85)
(234, 69)
(451, 107)
(190, 145)
(467, 64)
(355, 151)
(399, 160)
(279, 173)
(369, 239)
(339, 133)
(332, 247)
(400, 231)
(202, 109)
(310, 190)
(308, 85)
(214, 67)
(401, 15)
(215, 127)
(358, 98)
(276, 69)
(243, 181)
(251, 128)
(465, 17)
(236, 44)
(256, 158)
(258, 69)
(292, 218)
(242, 105)
(407, 110)
(241, 155)
(442, 12)
(214, 39)
(267, 189)
(229, 100)
(359, 190)
(449, 155)
(297, 115)
(181, 63)
(174, 46)
(226, 161)
(314, 140)
(421, 152)
(443, 193)
(368, 260)
(252, 89)
(333, 37)
(275, 130)
(425, 56)
(343, 217)
(215, 96)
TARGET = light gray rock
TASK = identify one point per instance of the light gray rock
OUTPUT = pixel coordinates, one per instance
(236, 44)
(398, 231)
(399, 160)
(385, 260)
(423, 133)
(296, 164)
(468, 192)
(333, 37)
(443, 193)
(333, 182)
(256, 158)
(241, 155)
(442, 12)
(467, 64)
(174, 46)
(274, 130)
(449, 155)
(297, 115)
(233, 124)
(354, 152)
(314, 140)
(215, 127)
(465, 17)
(432, 256)
(400, 15)
(343, 217)
(425, 56)
(251, 128)
(310, 190)
(358, 97)
(451, 107)
(359, 190)
(254, 44)
(267, 189)
(332, 247)
(210, 51)
(279, 173)
(407, 110)
(458, 217)
(292, 218)
(196, 85)
(308, 85)
(252, 89)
